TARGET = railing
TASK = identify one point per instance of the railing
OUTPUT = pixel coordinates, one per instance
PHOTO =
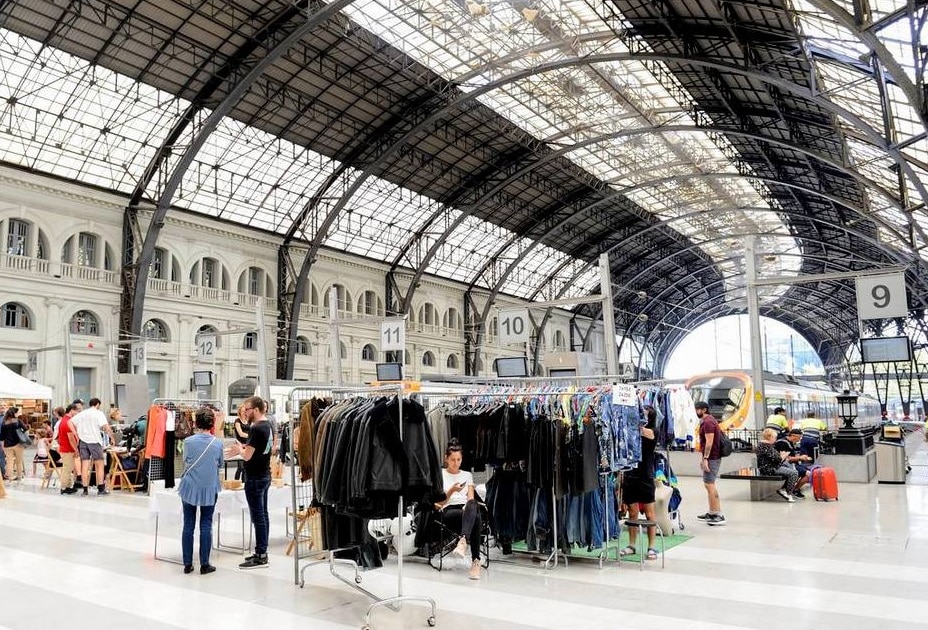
(24, 263)
(165, 286)
(87, 274)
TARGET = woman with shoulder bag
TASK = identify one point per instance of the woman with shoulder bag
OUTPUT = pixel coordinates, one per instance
(199, 487)
(11, 433)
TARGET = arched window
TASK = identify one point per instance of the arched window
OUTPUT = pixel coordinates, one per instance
(428, 359)
(81, 250)
(210, 330)
(343, 300)
(19, 239)
(250, 341)
(559, 341)
(370, 304)
(155, 330)
(208, 272)
(452, 319)
(85, 323)
(452, 362)
(16, 315)
(302, 345)
(428, 315)
(369, 353)
(159, 265)
(255, 281)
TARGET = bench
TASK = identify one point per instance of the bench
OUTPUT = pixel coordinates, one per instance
(762, 486)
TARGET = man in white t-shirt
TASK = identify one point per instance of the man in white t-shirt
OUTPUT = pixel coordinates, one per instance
(89, 423)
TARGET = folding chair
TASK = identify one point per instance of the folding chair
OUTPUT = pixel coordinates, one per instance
(119, 475)
(51, 475)
(440, 540)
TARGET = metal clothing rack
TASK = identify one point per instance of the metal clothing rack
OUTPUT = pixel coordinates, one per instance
(392, 602)
(183, 404)
(301, 492)
(552, 560)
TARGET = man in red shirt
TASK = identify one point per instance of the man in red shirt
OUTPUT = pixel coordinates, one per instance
(70, 472)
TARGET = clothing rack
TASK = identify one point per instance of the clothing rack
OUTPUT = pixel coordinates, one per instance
(182, 404)
(552, 560)
(301, 492)
(341, 393)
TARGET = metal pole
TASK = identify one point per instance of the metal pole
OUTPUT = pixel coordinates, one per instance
(757, 357)
(68, 363)
(612, 358)
(334, 336)
(265, 385)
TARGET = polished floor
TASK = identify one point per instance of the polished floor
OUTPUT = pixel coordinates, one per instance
(862, 562)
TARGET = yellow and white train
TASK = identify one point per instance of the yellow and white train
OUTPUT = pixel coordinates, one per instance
(730, 395)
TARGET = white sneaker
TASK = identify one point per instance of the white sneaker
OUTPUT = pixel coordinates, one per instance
(474, 573)
(786, 496)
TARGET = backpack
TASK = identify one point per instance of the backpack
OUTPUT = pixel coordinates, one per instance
(725, 447)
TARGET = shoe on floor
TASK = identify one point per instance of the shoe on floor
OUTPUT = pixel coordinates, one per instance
(786, 495)
(207, 568)
(798, 494)
(704, 517)
(85, 493)
(474, 570)
(460, 548)
(102, 492)
(188, 568)
(717, 519)
(254, 562)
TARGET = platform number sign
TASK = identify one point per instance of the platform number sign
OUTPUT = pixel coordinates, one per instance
(880, 297)
(393, 334)
(514, 325)
(206, 347)
(137, 351)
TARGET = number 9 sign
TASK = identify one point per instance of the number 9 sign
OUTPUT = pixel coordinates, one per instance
(880, 297)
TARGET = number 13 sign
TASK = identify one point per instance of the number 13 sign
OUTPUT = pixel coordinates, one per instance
(880, 297)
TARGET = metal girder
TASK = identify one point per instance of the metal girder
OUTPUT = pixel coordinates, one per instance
(140, 279)
(422, 121)
(871, 41)
(129, 301)
(670, 129)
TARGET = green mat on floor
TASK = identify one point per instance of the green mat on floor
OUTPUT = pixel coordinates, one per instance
(581, 552)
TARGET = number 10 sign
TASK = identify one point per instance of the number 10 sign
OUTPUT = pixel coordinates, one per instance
(880, 297)
(393, 334)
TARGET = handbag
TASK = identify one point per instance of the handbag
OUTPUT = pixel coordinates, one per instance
(23, 437)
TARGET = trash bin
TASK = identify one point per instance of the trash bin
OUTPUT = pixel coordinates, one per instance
(890, 462)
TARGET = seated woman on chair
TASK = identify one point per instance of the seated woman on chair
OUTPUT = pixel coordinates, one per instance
(638, 486)
(459, 509)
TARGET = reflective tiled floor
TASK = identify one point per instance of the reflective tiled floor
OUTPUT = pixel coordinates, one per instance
(862, 562)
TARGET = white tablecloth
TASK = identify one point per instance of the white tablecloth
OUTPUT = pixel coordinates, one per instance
(166, 504)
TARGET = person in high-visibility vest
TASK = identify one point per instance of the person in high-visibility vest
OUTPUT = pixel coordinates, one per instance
(778, 422)
(812, 428)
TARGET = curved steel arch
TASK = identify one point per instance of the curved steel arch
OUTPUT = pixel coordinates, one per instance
(799, 91)
(218, 113)
(900, 78)
(853, 173)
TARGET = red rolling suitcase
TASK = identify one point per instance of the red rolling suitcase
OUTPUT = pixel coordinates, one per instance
(824, 484)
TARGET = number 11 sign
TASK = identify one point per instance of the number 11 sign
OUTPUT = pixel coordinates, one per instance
(393, 334)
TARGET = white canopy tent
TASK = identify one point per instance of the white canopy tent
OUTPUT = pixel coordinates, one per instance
(12, 385)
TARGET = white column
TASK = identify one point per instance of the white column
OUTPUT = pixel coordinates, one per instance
(609, 346)
(757, 357)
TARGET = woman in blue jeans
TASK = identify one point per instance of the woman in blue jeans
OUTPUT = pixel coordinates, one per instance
(199, 488)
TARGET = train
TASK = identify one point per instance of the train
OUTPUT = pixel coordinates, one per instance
(730, 395)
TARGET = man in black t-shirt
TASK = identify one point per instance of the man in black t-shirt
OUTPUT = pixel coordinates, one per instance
(257, 455)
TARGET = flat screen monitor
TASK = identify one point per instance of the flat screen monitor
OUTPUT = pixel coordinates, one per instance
(563, 372)
(885, 349)
(389, 371)
(202, 378)
(511, 367)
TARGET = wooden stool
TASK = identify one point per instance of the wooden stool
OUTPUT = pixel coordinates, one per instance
(51, 473)
(642, 525)
(304, 519)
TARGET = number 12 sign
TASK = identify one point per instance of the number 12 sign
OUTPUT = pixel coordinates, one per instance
(393, 334)
(880, 297)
